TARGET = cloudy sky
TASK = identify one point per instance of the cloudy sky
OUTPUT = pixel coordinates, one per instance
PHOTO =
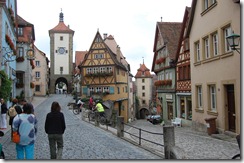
(131, 22)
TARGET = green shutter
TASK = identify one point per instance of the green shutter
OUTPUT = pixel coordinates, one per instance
(111, 90)
(84, 90)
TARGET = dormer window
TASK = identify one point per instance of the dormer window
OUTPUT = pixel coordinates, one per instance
(20, 31)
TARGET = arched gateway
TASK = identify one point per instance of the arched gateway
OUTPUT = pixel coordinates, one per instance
(61, 57)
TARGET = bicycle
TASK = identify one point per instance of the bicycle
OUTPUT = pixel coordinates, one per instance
(2, 156)
(237, 156)
(92, 116)
(76, 109)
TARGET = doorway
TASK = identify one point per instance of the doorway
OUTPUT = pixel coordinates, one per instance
(231, 107)
(170, 110)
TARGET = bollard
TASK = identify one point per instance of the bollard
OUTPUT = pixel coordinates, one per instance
(96, 119)
(120, 126)
(83, 114)
(169, 140)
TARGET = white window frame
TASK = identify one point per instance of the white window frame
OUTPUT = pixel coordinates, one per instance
(206, 4)
(227, 32)
(213, 98)
(215, 44)
(199, 96)
(38, 74)
(20, 52)
(206, 47)
(197, 48)
(38, 64)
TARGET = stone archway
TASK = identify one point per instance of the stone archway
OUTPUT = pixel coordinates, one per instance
(143, 113)
(61, 85)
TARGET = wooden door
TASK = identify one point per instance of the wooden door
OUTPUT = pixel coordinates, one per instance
(231, 107)
(170, 110)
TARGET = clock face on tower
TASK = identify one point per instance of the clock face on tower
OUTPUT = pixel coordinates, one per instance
(61, 50)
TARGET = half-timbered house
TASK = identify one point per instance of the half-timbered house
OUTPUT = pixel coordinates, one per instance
(104, 76)
(165, 47)
(183, 74)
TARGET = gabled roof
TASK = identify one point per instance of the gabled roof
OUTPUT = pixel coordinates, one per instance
(23, 23)
(111, 43)
(141, 70)
(170, 33)
(192, 13)
(112, 54)
(79, 57)
(183, 34)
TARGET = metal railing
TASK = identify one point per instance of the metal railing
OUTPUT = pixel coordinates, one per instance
(140, 134)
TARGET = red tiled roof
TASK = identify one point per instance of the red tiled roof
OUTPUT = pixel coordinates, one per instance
(144, 69)
(79, 57)
(170, 32)
(61, 27)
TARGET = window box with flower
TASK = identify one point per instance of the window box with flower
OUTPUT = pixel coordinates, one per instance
(20, 59)
(19, 85)
(160, 60)
(32, 85)
(163, 82)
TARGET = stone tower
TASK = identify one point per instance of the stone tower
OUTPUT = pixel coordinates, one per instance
(61, 57)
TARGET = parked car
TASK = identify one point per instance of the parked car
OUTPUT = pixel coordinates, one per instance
(148, 117)
(155, 119)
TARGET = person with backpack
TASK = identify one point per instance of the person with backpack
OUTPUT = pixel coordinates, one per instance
(13, 111)
(26, 125)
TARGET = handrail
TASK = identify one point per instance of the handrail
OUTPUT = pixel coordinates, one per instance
(139, 137)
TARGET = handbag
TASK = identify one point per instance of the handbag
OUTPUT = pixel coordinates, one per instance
(16, 137)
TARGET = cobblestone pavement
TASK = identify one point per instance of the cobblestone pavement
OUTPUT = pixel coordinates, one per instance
(196, 145)
(81, 139)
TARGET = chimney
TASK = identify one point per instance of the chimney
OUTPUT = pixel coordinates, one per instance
(105, 36)
(118, 53)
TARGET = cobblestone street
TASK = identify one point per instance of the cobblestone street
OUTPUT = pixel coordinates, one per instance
(81, 140)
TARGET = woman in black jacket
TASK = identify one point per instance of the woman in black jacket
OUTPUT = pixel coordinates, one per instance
(55, 127)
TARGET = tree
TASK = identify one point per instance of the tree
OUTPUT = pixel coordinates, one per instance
(5, 88)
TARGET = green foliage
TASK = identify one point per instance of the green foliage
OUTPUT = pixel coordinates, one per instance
(5, 88)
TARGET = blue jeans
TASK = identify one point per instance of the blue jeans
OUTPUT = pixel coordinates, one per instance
(25, 151)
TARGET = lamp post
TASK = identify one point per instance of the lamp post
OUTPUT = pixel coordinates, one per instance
(233, 41)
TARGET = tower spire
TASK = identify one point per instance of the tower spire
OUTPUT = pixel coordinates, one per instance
(61, 16)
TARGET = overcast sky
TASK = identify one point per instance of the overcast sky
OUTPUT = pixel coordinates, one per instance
(131, 22)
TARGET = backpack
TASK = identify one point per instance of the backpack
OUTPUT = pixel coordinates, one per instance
(12, 112)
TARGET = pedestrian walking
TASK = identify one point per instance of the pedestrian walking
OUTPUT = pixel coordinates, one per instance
(13, 111)
(55, 127)
(26, 125)
(4, 110)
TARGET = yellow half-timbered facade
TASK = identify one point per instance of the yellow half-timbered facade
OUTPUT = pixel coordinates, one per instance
(104, 76)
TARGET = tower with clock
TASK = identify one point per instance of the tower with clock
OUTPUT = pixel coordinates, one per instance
(61, 57)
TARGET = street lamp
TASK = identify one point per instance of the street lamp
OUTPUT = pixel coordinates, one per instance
(233, 41)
